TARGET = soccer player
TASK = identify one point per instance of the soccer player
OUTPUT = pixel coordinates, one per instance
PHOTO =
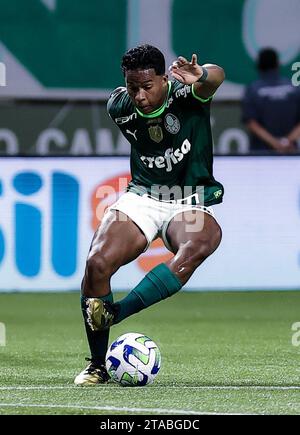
(170, 195)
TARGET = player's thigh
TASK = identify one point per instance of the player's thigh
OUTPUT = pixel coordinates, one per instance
(194, 229)
(117, 241)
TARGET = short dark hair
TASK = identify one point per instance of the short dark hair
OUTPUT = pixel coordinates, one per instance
(267, 59)
(144, 57)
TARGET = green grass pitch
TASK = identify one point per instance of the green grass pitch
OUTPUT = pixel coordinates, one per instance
(221, 353)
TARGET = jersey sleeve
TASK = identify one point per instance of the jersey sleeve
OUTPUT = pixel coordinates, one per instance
(186, 95)
(202, 100)
(118, 102)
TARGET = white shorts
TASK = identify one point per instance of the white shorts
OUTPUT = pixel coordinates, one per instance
(152, 216)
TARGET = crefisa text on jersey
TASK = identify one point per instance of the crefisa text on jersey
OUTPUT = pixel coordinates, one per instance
(169, 157)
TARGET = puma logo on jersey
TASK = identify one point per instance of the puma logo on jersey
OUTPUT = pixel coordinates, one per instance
(132, 134)
(170, 157)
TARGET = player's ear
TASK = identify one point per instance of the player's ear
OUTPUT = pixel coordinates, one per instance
(165, 79)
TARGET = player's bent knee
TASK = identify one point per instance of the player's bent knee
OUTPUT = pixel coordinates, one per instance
(208, 246)
(100, 266)
(199, 250)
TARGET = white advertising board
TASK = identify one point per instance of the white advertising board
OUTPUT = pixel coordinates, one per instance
(48, 216)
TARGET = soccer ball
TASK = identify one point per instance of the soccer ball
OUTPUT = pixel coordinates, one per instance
(133, 360)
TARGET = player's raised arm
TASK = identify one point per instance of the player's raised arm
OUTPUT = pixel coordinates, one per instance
(206, 78)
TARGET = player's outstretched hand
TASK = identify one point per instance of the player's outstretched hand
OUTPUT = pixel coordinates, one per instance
(184, 71)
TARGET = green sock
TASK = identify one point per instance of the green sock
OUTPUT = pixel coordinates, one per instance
(160, 283)
(98, 340)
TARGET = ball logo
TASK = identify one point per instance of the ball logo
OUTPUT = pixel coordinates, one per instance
(107, 193)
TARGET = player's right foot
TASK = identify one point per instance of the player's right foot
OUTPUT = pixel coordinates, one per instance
(92, 375)
(100, 314)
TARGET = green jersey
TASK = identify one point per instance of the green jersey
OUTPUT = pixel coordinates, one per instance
(171, 146)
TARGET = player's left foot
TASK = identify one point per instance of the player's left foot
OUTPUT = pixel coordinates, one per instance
(100, 314)
(92, 375)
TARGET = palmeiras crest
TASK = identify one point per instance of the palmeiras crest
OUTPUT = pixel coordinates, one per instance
(172, 123)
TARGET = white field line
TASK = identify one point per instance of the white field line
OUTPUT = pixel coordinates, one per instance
(112, 408)
(155, 387)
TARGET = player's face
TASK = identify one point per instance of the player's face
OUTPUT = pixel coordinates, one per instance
(146, 89)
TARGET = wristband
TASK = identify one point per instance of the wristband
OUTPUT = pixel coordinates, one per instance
(204, 75)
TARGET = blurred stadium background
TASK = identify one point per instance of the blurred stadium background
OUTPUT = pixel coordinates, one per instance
(62, 60)
(59, 61)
